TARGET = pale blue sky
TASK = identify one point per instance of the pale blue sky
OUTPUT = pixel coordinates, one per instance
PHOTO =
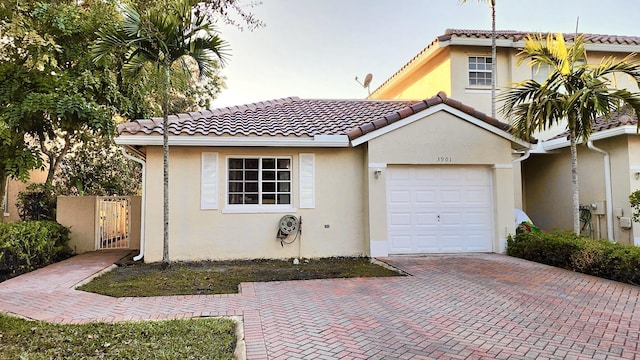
(315, 48)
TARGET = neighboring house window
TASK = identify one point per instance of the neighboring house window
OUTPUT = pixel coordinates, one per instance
(540, 73)
(480, 70)
(259, 181)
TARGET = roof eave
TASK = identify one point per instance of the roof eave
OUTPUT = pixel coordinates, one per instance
(228, 141)
(555, 144)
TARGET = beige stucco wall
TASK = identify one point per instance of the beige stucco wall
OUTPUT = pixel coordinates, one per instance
(334, 227)
(16, 186)
(428, 142)
(548, 186)
(79, 214)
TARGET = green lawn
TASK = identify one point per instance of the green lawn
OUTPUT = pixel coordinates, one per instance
(174, 339)
(223, 277)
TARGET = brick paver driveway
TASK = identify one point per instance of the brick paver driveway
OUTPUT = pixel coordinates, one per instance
(483, 306)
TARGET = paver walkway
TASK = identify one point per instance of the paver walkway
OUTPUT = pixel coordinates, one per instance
(483, 306)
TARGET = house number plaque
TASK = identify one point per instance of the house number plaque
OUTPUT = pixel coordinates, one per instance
(444, 159)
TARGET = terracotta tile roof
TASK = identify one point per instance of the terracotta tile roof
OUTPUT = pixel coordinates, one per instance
(298, 117)
(622, 118)
(513, 35)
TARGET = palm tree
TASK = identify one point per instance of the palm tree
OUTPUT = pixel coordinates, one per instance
(575, 92)
(494, 54)
(163, 36)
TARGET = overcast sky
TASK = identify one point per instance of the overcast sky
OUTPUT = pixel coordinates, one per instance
(315, 48)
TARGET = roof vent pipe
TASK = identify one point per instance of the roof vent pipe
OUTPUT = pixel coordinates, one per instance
(144, 193)
(607, 187)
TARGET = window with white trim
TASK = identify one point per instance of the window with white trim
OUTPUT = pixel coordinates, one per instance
(480, 70)
(259, 181)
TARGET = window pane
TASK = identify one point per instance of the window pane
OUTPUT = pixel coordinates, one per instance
(268, 187)
(251, 187)
(268, 175)
(284, 175)
(283, 187)
(251, 198)
(235, 199)
(268, 163)
(251, 164)
(284, 164)
(251, 175)
(235, 163)
(268, 198)
(284, 199)
(235, 175)
(235, 187)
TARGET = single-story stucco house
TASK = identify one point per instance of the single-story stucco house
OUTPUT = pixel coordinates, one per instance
(366, 177)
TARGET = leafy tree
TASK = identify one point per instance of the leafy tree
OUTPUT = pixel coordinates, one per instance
(52, 91)
(160, 38)
(575, 91)
(97, 168)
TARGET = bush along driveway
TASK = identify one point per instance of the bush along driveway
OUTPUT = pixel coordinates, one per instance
(463, 306)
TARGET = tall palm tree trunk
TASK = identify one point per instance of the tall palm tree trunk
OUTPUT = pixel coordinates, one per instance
(165, 162)
(574, 182)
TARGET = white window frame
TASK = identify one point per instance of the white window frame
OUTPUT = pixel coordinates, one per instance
(258, 208)
(484, 71)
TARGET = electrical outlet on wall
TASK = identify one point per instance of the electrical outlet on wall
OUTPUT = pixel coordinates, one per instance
(625, 223)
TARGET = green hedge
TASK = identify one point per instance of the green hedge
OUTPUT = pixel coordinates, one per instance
(28, 245)
(566, 250)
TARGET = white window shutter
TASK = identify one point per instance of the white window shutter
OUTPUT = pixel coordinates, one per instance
(209, 181)
(307, 181)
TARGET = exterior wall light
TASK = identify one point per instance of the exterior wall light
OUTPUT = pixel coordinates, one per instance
(376, 173)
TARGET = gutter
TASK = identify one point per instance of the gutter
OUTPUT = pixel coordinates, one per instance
(608, 188)
(144, 194)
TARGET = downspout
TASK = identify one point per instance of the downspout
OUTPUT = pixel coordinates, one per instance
(607, 186)
(525, 156)
(144, 194)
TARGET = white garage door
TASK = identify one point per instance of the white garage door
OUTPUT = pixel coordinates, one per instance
(439, 209)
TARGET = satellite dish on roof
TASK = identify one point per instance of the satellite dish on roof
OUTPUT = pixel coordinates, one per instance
(367, 82)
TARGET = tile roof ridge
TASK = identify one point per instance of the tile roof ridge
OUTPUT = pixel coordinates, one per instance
(440, 98)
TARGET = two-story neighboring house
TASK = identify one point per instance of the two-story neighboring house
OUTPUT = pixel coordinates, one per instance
(459, 63)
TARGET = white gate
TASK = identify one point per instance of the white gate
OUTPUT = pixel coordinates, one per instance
(114, 222)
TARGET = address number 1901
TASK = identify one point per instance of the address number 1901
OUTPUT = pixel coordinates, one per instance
(444, 159)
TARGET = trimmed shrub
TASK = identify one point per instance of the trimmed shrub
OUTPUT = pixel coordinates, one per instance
(566, 250)
(28, 245)
(37, 202)
(555, 249)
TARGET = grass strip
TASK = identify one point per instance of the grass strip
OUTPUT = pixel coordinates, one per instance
(223, 277)
(211, 338)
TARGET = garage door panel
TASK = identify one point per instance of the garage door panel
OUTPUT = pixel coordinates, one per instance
(426, 219)
(427, 244)
(425, 197)
(400, 219)
(400, 198)
(402, 244)
(439, 209)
